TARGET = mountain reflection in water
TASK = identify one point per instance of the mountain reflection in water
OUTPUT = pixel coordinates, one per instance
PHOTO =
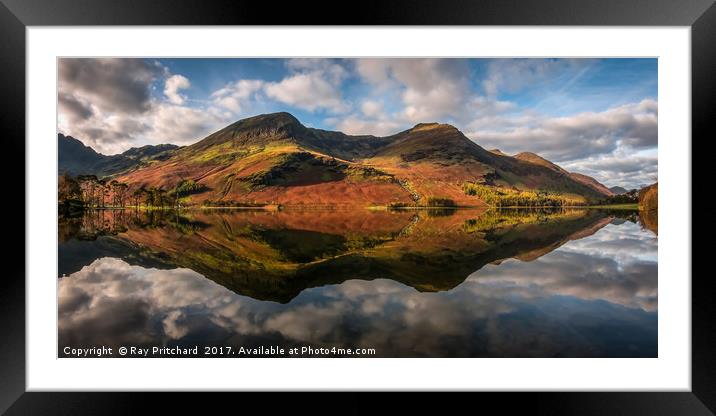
(436, 283)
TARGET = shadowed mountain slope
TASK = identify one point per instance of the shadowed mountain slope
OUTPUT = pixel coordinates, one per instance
(75, 158)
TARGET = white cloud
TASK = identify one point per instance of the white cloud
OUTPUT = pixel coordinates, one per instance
(372, 119)
(577, 136)
(332, 71)
(108, 104)
(181, 125)
(429, 89)
(371, 108)
(306, 91)
(621, 168)
(423, 90)
(235, 95)
(600, 144)
(109, 84)
(172, 86)
(315, 84)
(359, 126)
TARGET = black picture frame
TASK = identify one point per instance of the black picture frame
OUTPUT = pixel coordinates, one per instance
(16, 15)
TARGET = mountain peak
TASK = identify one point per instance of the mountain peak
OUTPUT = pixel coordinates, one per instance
(432, 126)
(272, 121)
(528, 155)
(280, 117)
(258, 129)
(618, 190)
(538, 160)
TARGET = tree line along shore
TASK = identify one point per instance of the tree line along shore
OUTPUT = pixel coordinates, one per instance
(83, 192)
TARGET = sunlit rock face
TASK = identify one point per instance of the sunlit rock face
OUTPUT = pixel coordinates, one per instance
(556, 285)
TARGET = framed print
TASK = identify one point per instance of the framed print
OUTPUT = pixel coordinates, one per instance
(431, 197)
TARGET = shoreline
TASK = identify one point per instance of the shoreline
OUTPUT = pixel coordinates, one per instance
(634, 207)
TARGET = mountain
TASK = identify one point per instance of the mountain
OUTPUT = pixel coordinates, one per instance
(618, 190)
(74, 157)
(583, 179)
(77, 159)
(273, 158)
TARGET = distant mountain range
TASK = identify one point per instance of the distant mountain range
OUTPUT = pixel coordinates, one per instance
(273, 158)
(618, 190)
(77, 159)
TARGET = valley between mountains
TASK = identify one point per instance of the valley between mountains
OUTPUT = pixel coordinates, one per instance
(273, 159)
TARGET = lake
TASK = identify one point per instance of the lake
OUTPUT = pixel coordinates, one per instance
(402, 283)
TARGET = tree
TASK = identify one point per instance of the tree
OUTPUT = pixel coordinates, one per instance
(440, 202)
(184, 188)
(69, 194)
(148, 197)
(88, 185)
(68, 188)
(509, 197)
(138, 195)
(119, 190)
(156, 197)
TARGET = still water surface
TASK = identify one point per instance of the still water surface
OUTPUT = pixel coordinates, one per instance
(439, 283)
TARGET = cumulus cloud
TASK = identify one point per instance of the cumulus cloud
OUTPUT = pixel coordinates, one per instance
(313, 85)
(610, 139)
(103, 101)
(426, 89)
(74, 108)
(172, 86)
(182, 125)
(372, 108)
(110, 106)
(235, 95)
(581, 135)
(421, 90)
(621, 168)
(429, 88)
(112, 85)
(357, 125)
(333, 71)
(307, 91)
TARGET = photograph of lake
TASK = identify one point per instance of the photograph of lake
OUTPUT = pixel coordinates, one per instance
(357, 207)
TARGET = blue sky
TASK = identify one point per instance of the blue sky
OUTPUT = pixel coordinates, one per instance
(594, 116)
